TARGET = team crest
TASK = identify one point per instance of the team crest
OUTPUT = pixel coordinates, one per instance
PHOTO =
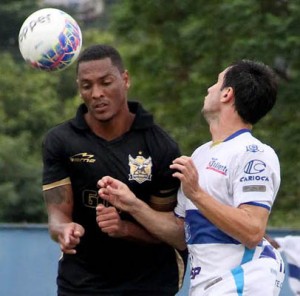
(140, 168)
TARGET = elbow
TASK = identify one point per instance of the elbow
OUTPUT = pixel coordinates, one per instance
(253, 238)
(181, 246)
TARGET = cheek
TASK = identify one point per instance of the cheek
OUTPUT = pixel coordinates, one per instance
(117, 94)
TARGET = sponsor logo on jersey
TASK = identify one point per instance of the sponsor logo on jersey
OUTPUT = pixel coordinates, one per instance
(254, 178)
(216, 166)
(140, 168)
(195, 271)
(252, 169)
(91, 199)
(83, 157)
(254, 188)
(254, 166)
(253, 148)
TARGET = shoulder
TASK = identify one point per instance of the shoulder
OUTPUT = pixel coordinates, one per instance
(253, 156)
(201, 149)
(253, 146)
(60, 130)
(155, 135)
(162, 142)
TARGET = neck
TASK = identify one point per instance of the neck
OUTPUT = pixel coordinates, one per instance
(113, 128)
(221, 132)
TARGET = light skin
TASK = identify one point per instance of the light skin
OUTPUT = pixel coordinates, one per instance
(163, 225)
(245, 223)
(103, 88)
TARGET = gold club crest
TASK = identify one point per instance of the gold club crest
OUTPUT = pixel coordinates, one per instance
(140, 168)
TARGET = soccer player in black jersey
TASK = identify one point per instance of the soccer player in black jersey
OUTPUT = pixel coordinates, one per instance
(109, 254)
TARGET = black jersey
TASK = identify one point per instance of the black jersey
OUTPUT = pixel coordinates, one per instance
(140, 158)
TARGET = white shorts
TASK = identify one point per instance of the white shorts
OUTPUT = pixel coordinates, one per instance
(260, 277)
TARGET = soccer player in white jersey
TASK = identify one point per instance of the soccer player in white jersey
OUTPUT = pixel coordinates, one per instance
(228, 187)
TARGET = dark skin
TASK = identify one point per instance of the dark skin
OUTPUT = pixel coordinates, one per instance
(103, 88)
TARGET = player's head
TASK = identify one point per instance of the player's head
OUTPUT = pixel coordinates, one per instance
(103, 84)
(255, 89)
(99, 52)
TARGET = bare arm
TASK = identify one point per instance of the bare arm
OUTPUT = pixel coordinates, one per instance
(246, 223)
(59, 203)
(163, 225)
(110, 222)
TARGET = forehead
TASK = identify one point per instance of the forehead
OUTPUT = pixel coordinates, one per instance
(96, 68)
(222, 74)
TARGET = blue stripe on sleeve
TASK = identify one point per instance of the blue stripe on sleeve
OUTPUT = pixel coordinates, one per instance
(252, 203)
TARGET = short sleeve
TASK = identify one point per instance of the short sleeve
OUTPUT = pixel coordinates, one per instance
(257, 178)
(54, 162)
(180, 207)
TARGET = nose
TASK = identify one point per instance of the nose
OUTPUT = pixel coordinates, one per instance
(97, 92)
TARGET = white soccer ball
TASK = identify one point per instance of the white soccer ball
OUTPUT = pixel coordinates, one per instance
(50, 39)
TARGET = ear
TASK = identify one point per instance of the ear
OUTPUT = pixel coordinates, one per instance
(227, 94)
(126, 79)
(77, 82)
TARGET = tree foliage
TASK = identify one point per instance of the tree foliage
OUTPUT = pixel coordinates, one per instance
(174, 52)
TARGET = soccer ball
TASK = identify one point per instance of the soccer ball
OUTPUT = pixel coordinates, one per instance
(50, 39)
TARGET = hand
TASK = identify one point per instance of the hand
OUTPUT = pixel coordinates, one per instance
(70, 236)
(188, 175)
(108, 219)
(117, 193)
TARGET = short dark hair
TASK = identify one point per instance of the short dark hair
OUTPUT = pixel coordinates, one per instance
(255, 89)
(99, 52)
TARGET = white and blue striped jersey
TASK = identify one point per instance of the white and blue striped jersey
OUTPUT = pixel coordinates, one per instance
(240, 170)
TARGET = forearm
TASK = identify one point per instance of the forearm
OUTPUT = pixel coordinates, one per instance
(136, 232)
(56, 224)
(59, 203)
(243, 223)
(163, 225)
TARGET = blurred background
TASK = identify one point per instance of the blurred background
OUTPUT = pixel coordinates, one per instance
(173, 51)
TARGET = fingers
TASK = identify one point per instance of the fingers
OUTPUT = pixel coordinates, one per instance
(108, 220)
(70, 238)
(106, 191)
(183, 166)
(105, 181)
(105, 213)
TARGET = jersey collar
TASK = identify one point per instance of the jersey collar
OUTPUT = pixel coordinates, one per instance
(232, 136)
(237, 133)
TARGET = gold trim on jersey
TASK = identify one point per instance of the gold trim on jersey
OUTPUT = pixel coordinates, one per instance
(65, 181)
(162, 200)
(163, 204)
(180, 264)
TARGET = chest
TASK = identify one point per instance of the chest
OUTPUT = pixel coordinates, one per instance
(129, 159)
(217, 169)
